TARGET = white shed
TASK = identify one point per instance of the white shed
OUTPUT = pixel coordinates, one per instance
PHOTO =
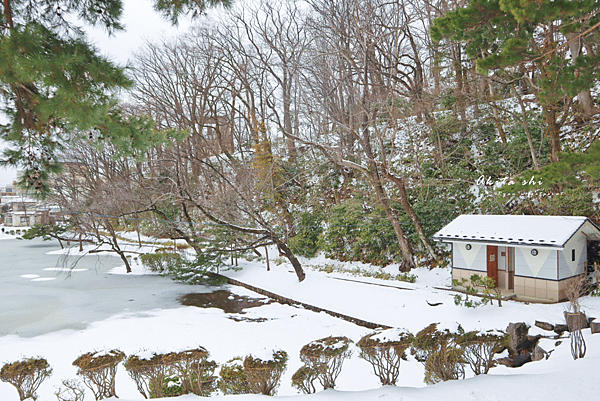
(532, 256)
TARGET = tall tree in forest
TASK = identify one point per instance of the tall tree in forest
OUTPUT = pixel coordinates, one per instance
(547, 45)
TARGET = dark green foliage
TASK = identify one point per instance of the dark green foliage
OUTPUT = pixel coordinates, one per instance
(233, 379)
(565, 187)
(26, 375)
(199, 271)
(356, 232)
(174, 10)
(308, 232)
(385, 354)
(54, 84)
(45, 231)
(440, 353)
(502, 34)
(161, 262)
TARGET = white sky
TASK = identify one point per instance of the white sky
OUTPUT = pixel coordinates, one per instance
(141, 23)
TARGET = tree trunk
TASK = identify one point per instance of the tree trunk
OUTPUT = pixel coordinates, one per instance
(552, 131)
(291, 257)
(585, 96)
(408, 262)
(534, 158)
(399, 182)
(287, 114)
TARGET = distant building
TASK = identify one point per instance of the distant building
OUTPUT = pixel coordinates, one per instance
(530, 256)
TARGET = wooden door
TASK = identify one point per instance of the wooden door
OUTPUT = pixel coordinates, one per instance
(492, 262)
(510, 263)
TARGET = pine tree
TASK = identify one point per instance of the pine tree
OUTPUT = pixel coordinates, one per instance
(531, 39)
(54, 84)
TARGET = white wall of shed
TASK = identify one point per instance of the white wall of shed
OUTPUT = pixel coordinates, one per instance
(567, 267)
(473, 259)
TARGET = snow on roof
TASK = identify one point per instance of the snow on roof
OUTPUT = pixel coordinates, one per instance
(553, 231)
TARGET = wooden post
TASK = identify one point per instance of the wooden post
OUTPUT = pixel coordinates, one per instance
(267, 254)
(596, 267)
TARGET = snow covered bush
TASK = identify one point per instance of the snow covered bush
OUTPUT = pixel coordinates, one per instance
(72, 391)
(254, 375)
(479, 348)
(304, 379)
(26, 375)
(263, 375)
(325, 358)
(172, 374)
(440, 353)
(233, 378)
(98, 369)
(194, 370)
(384, 350)
(149, 373)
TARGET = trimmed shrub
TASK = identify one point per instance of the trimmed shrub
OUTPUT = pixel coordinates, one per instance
(263, 376)
(194, 370)
(26, 375)
(98, 370)
(172, 374)
(325, 357)
(479, 348)
(233, 378)
(384, 350)
(149, 374)
(440, 354)
(304, 379)
(253, 375)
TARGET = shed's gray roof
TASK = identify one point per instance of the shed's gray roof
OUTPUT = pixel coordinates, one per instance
(553, 231)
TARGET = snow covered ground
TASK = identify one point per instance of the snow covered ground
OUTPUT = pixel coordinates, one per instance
(164, 325)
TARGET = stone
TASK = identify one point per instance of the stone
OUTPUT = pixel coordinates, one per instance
(518, 335)
(514, 361)
(560, 328)
(528, 345)
(595, 326)
(520, 360)
(538, 353)
(544, 325)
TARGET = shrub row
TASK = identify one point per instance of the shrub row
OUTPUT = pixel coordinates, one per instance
(443, 353)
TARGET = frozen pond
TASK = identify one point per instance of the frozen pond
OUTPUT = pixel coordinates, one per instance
(40, 294)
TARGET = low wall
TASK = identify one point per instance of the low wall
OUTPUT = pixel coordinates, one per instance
(290, 301)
